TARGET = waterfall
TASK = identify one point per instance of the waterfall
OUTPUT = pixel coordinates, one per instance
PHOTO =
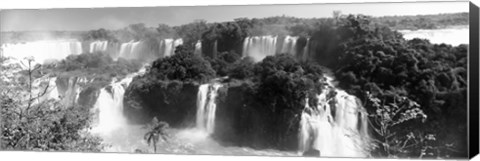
(129, 50)
(109, 105)
(305, 51)
(289, 44)
(177, 42)
(98, 46)
(336, 126)
(169, 46)
(42, 51)
(206, 107)
(198, 47)
(258, 47)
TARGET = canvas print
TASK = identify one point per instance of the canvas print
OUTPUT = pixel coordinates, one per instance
(362, 80)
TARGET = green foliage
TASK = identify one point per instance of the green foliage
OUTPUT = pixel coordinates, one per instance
(183, 66)
(423, 21)
(191, 32)
(97, 65)
(165, 31)
(280, 86)
(242, 69)
(223, 63)
(156, 130)
(392, 140)
(31, 122)
(284, 82)
(222, 37)
(100, 34)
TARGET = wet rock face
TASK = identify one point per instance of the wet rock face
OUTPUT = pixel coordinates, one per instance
(312, 153)
(88, 96)
(170, 101)
(242, 120)
(78, 91)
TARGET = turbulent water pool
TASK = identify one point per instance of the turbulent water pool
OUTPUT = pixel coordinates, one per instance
(180, 141)
(119, 136)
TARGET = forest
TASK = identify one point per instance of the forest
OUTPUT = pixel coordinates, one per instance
(415, 92)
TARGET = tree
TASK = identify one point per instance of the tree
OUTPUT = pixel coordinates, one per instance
(165, 30)
(183, 66)
(391, 139)
(30, 121)
(191, 32)
(222, 37)
(156, 130)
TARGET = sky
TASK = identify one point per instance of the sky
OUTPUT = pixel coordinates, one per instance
(116, 18)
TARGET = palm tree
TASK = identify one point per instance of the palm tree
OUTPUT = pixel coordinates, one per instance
(156, 130)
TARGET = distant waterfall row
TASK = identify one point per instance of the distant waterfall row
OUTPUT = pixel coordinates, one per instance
(136, 49)
(337, 126)
(45, 51)
(42, 51)
(258, 47)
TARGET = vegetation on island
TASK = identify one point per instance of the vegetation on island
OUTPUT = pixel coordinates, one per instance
(31, 122)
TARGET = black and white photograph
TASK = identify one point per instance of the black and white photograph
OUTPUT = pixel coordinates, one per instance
(329, 80)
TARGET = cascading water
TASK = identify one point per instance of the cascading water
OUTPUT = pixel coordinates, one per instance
(198, 47)
(206, 107)
(289, 44)
(258, 47)
(42, 51)
(110, 108)
(305, 51)
(128, 50)
(98, 46)
(69, 89)
(169, 46)
(109, 105)
(336, 126)
(177, 42)
(111, 124)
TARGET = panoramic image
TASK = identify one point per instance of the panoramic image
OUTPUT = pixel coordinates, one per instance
(361, 80)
